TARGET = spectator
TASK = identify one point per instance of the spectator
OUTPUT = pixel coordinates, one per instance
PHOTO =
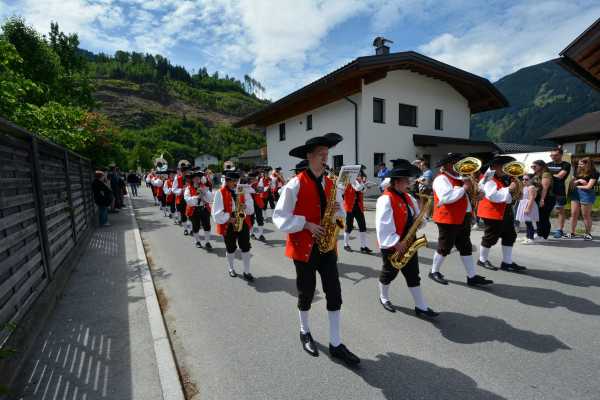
(103, 197)
(583, 196)
(560, 172)
(133, 180)
(381, 174)
(545, 196)
(425, 182)
(528, 211)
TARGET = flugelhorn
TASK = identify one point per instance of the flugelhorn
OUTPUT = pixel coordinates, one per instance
(467, 168)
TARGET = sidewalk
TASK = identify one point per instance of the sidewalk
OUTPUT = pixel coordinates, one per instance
(98, 344)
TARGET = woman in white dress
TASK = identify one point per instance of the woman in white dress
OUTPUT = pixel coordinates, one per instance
(528, 211)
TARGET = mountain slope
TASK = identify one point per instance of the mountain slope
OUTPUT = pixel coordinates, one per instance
(542, 97)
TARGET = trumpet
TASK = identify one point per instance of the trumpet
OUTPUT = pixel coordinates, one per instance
(515, 169)
(467, 168)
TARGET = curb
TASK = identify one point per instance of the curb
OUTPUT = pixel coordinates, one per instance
(165, 361)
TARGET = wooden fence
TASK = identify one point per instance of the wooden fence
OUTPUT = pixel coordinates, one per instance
(46, 211)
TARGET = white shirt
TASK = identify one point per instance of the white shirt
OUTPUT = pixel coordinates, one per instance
(358, 186)
(283, 215)
(384, 221)
(448, 194)
(495, 195)
(176, 189)
(218, 209)
(167, 189)
(157, 182)
(203, 196)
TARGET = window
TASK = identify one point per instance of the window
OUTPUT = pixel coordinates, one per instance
(309, 122)
(281, 132)
(378, 110)
(580, 148)
(378, 158)
(338, 161)
(407, 115)
(439, 120)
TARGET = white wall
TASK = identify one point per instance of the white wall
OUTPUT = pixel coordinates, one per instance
(205, 160)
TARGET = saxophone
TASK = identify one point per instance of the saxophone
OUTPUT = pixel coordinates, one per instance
(330, 223)
(413, 242)
(240, 213)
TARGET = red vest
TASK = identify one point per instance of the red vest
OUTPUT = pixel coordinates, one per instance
(170, 196)
(189, 210)
(450, 213)
(258, 197)
(228, 208)
(399, 209)
(179, 197)
(299, 244)
(490, 210)
(159, 190)
(349, 198)
(265, 193)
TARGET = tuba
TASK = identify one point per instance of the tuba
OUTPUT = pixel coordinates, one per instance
(466, 168)
(414, 243)
(515, 169)
(328, 240)
(240, 213)
(161, 165)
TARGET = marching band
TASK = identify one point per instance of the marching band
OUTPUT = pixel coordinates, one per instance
(315, 204)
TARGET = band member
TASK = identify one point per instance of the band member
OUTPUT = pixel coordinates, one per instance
(225, 213)
(277, 183)
(258, 221)
(498, 217)
(299, 212)
(158, 183)
(149, 179)
(395, 213)
(452, 212)
(355, 209)
(197, 199)
(179, 185)
(169, 210)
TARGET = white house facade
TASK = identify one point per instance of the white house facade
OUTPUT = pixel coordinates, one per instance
(204, 160)
(400, 105)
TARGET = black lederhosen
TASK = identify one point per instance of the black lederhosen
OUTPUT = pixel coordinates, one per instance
(163, 199)
(459, 236)
(234, 239)
(270, 200)
(172, 205)
(306, 279)
(258, 215)
(504, 229)
(200, 218)
(360, 219)
(389, 273)
(181, 208)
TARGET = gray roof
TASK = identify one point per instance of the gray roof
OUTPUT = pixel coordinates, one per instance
(586, 125)
(511, 148)
(250, 153)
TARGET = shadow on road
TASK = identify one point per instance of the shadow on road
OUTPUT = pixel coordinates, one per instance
(566, 277)
(276, 283)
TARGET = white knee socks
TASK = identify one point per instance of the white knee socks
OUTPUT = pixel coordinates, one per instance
(246, 260)
(469, 265)
(207, 236)
(507, 254)
(334, 328)
(230, 258)
(384, 292)
(484, 253)
(363, 239)
(417, 295)
(304, 327)
(346, 239)
(197, 237)
(259, 230)
(438, 259)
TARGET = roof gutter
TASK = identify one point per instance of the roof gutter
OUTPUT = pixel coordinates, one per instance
(355, 128)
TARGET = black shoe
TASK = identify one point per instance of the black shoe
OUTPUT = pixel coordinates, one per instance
(185, 232)
(208, 246)
(308, 344)
(366, 250)
(347, 248)
(248, 277)
(387, 305)
(341, 352)
(438, 277)
(478, 280)
(487, 265)
(232, 273)
(426, 313)
(253, 236)
(199, 245)
(514, 267)
(262, 238)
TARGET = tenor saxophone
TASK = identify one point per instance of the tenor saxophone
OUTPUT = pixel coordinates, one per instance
(414, 243)
(331, 225)
(240, 213)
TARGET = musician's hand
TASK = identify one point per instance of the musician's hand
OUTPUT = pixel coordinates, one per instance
(401, 246)
(512, 186)
(314, 229)
(467, 185)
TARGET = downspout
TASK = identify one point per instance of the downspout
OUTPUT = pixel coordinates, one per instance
(355, 129)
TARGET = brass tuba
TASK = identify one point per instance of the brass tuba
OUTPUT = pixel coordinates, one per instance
(328, 240)
(161, 165)
(414, 243)
(467, 168)
(515, 169)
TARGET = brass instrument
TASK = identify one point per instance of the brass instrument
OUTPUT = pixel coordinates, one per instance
(515, 169)
(240, 210)
(161, 165)
(467, 168)
(414, 243)
(330, 223)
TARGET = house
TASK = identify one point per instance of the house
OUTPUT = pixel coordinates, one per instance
(386, 106)
(253, 157)
(580, 136)
(204, 160)
(582, 56)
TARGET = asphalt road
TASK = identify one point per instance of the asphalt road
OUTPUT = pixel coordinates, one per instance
(533, 336)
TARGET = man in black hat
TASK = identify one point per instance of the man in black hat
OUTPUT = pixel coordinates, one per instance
(355, 209)
(179, 185)
(452, 212)
(169, 195)
(224, 212)
(498, 217)
(198, 199)
(301, 220)
(395, 213)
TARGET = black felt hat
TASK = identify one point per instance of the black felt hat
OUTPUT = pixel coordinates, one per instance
(302, 165)
(329, 140)
(501, 159)
(402, 169)
(450, 158)
(232, 175)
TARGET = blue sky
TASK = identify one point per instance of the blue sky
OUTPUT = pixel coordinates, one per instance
(286, 44)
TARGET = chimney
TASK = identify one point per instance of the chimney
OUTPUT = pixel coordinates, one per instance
(380, 48)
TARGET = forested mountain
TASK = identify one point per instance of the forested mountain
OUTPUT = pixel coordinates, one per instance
(127, 108)
(542, 97)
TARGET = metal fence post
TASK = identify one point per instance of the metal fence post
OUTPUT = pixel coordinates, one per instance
(70, 196)
(39, 207)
